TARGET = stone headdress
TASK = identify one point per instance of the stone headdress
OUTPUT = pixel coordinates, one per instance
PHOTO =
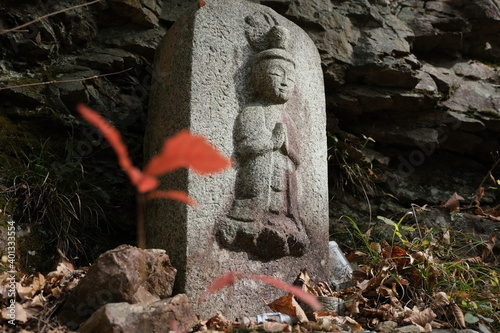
(267, 37)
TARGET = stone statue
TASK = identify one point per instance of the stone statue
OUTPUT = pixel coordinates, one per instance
(250, 81)
(265, 208)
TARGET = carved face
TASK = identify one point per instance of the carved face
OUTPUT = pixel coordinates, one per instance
(275, 80)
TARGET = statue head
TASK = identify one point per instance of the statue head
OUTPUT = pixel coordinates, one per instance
(273, 70)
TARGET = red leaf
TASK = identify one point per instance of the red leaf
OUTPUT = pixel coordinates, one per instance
(143, 182)
(109, 132)
(174, 195)
(231, 278)
(201, 3)
(185, 150)
(311, 300)
(223, 281)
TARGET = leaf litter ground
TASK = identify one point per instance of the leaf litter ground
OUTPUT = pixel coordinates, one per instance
(444, 279)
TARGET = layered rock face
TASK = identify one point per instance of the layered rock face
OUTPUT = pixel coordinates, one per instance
(420, 78)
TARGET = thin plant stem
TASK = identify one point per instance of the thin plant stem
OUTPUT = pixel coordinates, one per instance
(488, 175)
(141, 238)
(16, 29)
(65, 81)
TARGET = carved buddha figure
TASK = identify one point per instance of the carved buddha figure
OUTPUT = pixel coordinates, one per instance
(264, 139)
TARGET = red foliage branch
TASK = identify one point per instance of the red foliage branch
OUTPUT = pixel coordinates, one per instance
(232, 277)
(184, 150)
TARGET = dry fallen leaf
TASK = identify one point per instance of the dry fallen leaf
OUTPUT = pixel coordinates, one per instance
(422, 318)
(272, 326)
(489, 245)
(24, 292)
(441, 299)
(458, 314)
(453, 202)
(352, 304)
(21, 314)
(218, 323)
(289, 306)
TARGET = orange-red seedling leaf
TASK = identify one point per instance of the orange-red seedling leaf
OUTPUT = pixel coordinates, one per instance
(144, 183)
(185, 150)
(223, 281)
(311, 300)
(109, 132)
(201, 3)
(174, 195)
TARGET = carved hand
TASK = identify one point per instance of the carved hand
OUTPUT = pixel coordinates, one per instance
(278, 136)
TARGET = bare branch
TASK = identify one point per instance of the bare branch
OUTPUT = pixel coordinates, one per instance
(64, 81)
(16, 29)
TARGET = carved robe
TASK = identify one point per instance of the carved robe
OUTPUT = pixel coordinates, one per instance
(267, 157)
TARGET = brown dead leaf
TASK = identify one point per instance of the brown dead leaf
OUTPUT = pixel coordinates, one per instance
(323, 289)
(437, 325)
(375, 247)
(494, 218)
(37, 301)
(289, 306)
(422, 318)
(359, 276)
(440, 300)
(304, 281)
(358, 257)
(304, 278)
(384, 291)
(368, 233)
(493, 212)
(474, 260)
(218, 323)
(479, 196)
(352, 324)
(33, 307)
(64, 265)
(458, 314)
(479, 211)
(453, 203)
(353, 302)
(446, 237)
(419, 257)
(319, 314)
(400, 257)
(24, 292)
(30, 285)
(21, 314)
(56, 292)
(489, 245)
(414, 277)
(272, 326)
(283, 305)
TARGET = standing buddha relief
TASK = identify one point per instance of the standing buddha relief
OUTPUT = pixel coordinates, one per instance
(264, 218)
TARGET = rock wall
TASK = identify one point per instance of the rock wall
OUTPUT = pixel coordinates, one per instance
(419, 78)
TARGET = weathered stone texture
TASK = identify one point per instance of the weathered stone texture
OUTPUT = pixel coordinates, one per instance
(159, 316)
(125, 274)
(203, 67)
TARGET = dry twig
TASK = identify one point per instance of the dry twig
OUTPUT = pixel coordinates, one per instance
(16, 29)
(64, 81)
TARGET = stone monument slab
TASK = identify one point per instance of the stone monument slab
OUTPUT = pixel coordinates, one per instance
(250, 81)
